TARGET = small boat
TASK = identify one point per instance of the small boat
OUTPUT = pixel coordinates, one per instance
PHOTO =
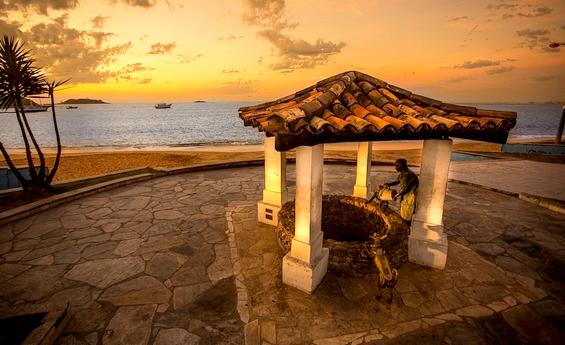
(72, 107)
(35, 108)
(163, 105)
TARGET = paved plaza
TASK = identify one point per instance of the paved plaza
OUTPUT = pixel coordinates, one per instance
(182, 260)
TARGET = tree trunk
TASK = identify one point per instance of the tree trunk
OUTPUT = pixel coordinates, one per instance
(30, 164)
(41, 176)
(12, 167)
(57, 135)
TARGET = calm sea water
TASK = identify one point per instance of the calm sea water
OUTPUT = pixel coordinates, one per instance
(141, 125)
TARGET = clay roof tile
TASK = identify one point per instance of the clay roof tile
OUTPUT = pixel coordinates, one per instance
(354, 106)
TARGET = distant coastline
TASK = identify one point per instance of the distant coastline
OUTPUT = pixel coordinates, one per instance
(83, 101)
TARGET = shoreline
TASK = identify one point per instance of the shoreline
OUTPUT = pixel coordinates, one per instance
(258, 147)
(84, 162)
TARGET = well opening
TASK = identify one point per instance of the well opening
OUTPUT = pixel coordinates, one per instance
(347, 223)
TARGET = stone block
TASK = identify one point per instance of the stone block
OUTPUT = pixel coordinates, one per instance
(360, 191)
(427, 252)
(303, 276)
(267, 213)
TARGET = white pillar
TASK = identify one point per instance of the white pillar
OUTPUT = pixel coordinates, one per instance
(427, 243)
(275, 192)
(307, 262)
(362, 187)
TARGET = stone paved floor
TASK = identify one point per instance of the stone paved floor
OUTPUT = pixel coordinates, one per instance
(517, 176)
(182, 260)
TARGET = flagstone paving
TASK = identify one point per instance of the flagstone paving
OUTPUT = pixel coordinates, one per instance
(182, 260)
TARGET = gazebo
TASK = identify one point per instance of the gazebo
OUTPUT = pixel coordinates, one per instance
(356, 107)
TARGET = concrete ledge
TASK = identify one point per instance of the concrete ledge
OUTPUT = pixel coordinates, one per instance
(117, 172)
(83, 179)
(548, 149)
(484, 187)
(551, 204)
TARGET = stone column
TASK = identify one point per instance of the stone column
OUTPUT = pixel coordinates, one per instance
(307, 262)
(275, 192)
(362, 187)
(427, 243)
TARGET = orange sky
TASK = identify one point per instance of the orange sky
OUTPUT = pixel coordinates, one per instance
(258, 50)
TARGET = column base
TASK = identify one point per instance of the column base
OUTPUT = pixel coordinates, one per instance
(303, 276)
(427, 245)
(361, 191)
(267, 213)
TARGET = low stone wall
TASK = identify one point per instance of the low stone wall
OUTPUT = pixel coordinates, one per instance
(347, 223)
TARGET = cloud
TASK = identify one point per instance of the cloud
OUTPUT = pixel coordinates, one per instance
(230, 71)
(288, 46)
(455, 80)
(10, 28)
(65, 52)
(144, 81)
(477, 64)
(548, 49)
(159, 48)
(98, 21)
(543, 77)
(532, 33)
(40, 6)
(298, 53)
(139, 3)
(228, 38)
(268, 13)
(473, 29)
(536, 12)
(270, 17)
(519, 9)
(100, 37)
(188, 58)
(135, 67)
(502, 5)
(533, 37)
(501, 69)
(457, 19)
(240, 86)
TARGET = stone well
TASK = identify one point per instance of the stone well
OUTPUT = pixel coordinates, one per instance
(347, 223)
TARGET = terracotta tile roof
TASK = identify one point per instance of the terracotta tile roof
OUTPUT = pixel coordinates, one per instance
(354, 106)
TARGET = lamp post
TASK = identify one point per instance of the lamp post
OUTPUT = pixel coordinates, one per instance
(562, 121)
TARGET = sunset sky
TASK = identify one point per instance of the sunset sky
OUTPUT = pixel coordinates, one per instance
(258, 50)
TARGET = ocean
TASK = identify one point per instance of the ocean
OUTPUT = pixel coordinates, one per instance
(190, 124)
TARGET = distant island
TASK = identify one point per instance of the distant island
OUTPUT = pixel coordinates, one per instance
(83, 101)
(199, 102)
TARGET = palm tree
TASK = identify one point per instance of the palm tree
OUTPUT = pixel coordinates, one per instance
(19, 78)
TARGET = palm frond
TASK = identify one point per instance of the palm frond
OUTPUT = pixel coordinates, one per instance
(19, 77)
